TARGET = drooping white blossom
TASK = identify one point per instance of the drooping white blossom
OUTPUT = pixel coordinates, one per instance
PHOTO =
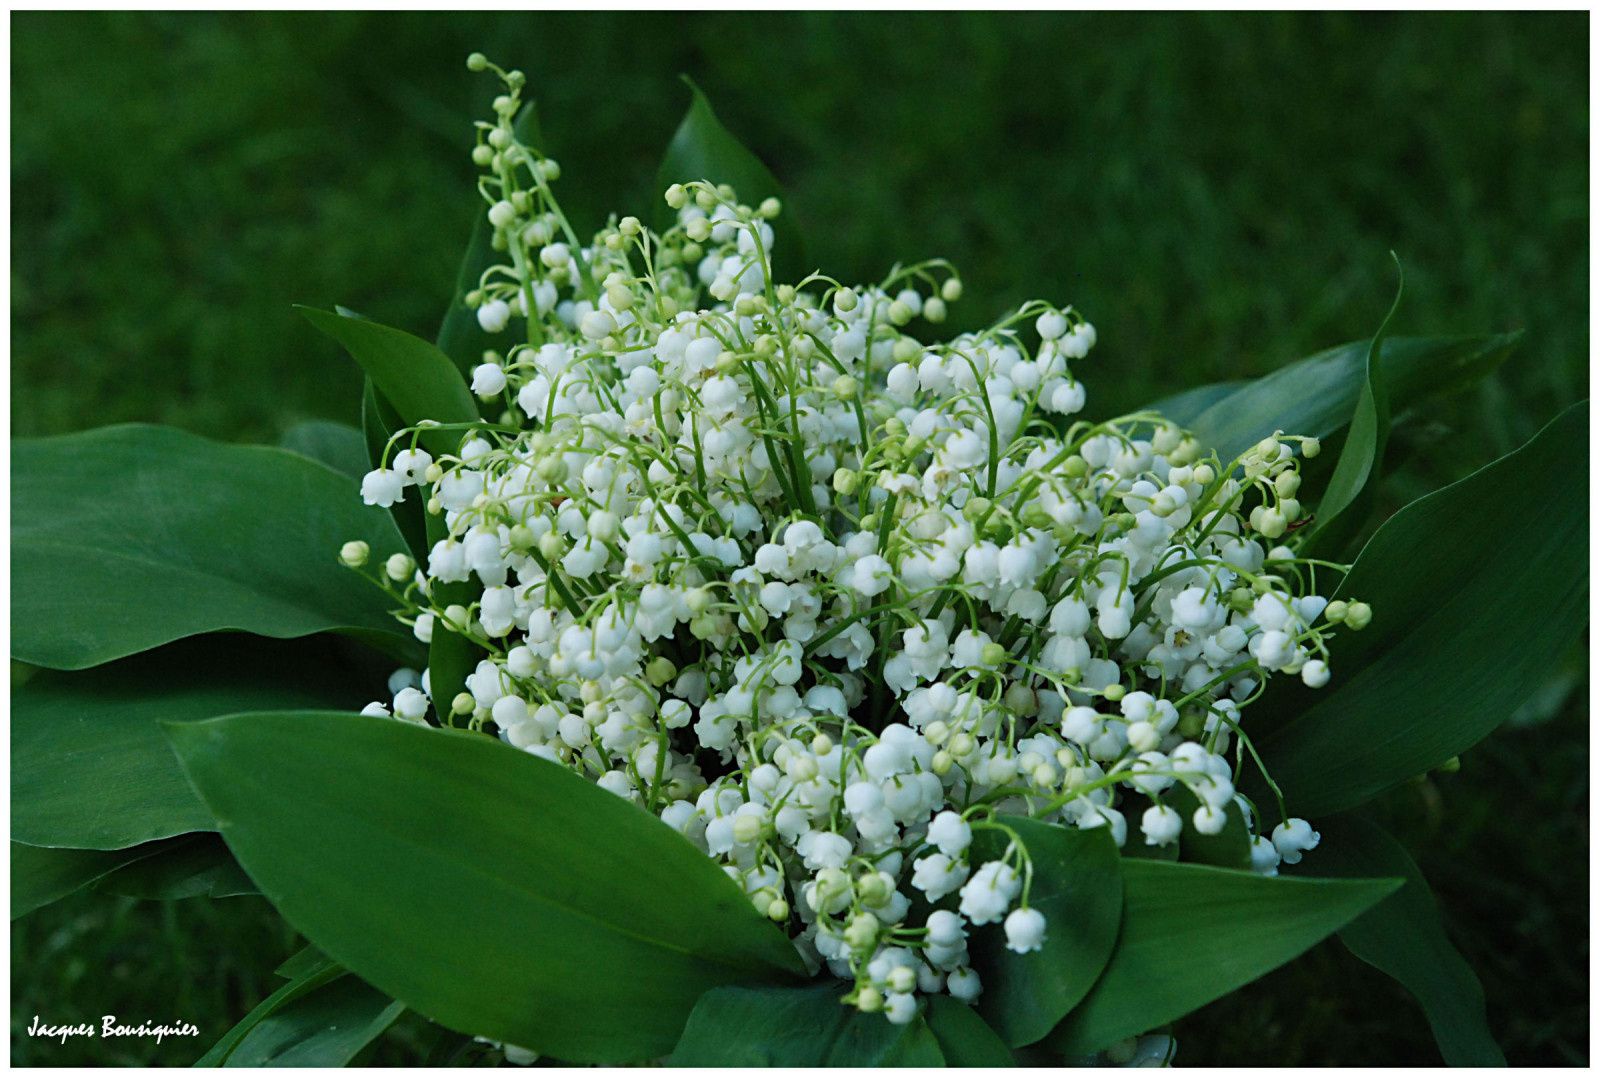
(829, 595)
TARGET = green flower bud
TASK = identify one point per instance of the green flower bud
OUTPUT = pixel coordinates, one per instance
(354, 554)
(1359, 616)
(660, 671)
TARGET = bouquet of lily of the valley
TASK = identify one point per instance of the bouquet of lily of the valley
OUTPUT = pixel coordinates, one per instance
(752, 676)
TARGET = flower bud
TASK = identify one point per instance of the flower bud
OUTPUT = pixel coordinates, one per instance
(660, 671)
(354, 554)
(746, 828)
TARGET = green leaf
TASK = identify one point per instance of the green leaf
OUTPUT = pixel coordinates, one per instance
(417, 381)
(1369, 432)
(494, 892)
(312, 978)
(1404, 937)
(90, 765)
(40, 876)
(1186, 406)
(1193, 933)
(1077, 885)
(197, 866)
(415, 377)
(127, 538)
(338, 445)
(703, 149)
(798, 1027)
(378, 424)
(1476, 591)
(965, 1040)
(1316, 396)
(460, 337)
(300, 963)
(326, 1027)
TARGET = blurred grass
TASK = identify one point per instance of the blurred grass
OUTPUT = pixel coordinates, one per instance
(1217, 193)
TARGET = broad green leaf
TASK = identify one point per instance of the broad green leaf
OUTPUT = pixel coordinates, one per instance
(1138, 850)
(312, 978)
(1317, 395)
(338, 445)
(1077, 885)
(451, 657)
(798, 1027)
(1184, 407)
(40, 876)
(126, 538)
(460, 336)
(703, 149)
(1476, 591)
(326, 1027)
(1550, 698)
(1404, 937)
(417, 379)
(378, 424)
(1369, 433)
(90, 765)
(197, 866)
(1193, 933)
(494, 892)
(965, 1040)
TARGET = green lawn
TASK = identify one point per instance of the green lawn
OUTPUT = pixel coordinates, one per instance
(1219, 194)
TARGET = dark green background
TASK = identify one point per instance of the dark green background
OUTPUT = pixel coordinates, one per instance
(1217, 193)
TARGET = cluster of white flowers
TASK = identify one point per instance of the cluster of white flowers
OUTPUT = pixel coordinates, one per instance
(829, 598)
